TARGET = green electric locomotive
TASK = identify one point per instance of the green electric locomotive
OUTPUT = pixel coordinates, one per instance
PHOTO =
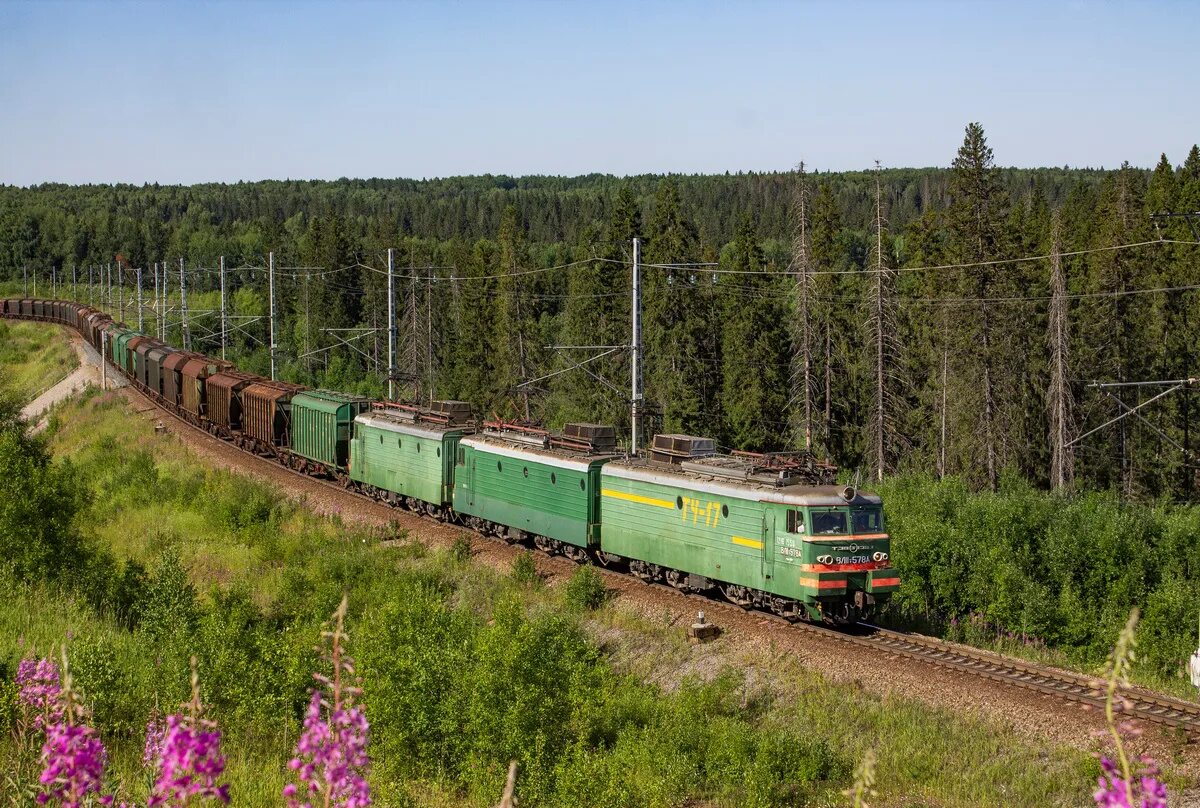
(768, 531)
(523, 483)
(405, 455)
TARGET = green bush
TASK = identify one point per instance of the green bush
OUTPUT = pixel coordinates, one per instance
(1026, 566)
(461, 549)
(524, 570)
(38, 503)
(585, 590)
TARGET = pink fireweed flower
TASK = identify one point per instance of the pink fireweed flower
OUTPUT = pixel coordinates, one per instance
(1119, 786)
(191, 764)
(188, 753)
(1145, 790)
(73, 764)
(72, 757)
(156, 739)
(40, 690)
(331, 758)
(331, 761)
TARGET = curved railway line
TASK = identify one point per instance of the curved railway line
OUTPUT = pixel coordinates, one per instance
(1170, 713)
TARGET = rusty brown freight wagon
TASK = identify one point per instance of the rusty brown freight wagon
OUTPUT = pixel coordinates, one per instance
(97, 320)
(27, 307)
(266, 414)
(196, 372)
(172, 378)
(223, 399)
(132, 353)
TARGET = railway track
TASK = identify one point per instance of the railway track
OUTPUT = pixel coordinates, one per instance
(1164, 711)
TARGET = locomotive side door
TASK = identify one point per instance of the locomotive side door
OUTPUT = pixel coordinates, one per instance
(464, 476)
(768, 545)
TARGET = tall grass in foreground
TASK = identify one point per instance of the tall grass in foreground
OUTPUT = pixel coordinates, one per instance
(464, 668)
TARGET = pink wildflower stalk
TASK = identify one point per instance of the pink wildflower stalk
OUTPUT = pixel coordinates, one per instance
(190, 759)
(331, 762)
(40, 688)
(1118, 786)
(156, 740)
(73, 757)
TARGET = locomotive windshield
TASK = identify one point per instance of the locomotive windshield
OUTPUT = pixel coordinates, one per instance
(828, 523)
(867, 520)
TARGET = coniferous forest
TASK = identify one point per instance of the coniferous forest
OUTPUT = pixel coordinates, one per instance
(944, 321)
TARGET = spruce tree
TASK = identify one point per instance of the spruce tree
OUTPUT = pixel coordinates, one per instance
(830, 322)
(754, 347)
(681, 374)
(515, 344)
(597, 313)
(976, 218)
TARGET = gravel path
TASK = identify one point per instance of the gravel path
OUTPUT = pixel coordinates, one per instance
(87, 372)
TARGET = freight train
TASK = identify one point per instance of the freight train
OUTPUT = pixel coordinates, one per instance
(768, 531)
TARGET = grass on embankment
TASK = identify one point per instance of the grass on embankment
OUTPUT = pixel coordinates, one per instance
(33, 356)
(463, 666)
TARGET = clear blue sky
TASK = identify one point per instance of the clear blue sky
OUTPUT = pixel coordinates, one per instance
(191, 92)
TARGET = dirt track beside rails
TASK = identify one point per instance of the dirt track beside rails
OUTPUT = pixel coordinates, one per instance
(87, 372)
(746, 635)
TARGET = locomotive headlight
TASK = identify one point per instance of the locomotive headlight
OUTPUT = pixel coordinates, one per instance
(879, 556)
(824, 559)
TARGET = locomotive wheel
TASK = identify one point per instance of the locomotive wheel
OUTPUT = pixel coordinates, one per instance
(576, 554)
(738, 595)
(645, 570)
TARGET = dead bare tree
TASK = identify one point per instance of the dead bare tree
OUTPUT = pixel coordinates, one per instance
(509, 800)
(802, 297)
(1058, 397)
(884, 346)
(410, 359)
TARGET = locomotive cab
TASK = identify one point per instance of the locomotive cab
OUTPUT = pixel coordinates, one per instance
(841, 556)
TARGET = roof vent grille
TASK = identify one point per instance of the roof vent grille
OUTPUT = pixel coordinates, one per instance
(675, 449)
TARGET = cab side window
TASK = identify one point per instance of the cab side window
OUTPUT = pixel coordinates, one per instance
(462, 456)
(795, 522)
